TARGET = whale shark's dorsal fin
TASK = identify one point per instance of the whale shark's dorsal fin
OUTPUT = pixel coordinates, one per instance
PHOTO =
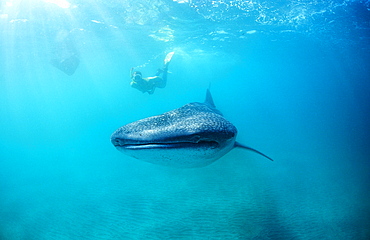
(209, 99)
(251, 149)
(209, 102)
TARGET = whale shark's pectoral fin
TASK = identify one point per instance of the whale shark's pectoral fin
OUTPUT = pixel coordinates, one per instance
(251, 149)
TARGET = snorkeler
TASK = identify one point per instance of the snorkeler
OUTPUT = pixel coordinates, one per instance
(150, 83)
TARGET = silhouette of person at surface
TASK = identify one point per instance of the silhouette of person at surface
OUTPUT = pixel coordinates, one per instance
(66, 57)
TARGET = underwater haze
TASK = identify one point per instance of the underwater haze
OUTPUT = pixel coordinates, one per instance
(293, 76)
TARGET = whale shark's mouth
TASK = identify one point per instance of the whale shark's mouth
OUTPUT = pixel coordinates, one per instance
(167, 145)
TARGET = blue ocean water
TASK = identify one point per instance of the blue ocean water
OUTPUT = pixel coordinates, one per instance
(293, 76)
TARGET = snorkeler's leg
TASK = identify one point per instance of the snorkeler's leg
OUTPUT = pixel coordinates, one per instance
(161, 82)
(166, 61)
(159, 71)
(164, 78)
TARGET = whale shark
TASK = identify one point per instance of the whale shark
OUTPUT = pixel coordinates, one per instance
(194, 135)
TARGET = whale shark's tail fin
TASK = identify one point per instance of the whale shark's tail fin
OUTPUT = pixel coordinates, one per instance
(251, 149)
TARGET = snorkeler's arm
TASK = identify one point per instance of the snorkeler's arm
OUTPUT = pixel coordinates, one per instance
(137, 86)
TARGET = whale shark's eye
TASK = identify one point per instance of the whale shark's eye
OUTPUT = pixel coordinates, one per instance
(116, 142)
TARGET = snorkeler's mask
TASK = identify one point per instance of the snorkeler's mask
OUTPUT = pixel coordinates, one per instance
(136, 75)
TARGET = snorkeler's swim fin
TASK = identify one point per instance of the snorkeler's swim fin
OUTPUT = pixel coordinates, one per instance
(168, 58)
